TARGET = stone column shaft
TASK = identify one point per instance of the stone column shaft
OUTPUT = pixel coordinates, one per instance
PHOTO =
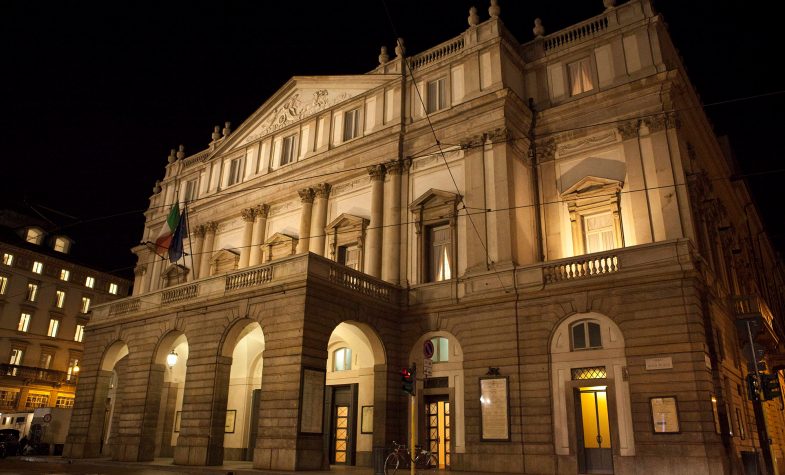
(207, 249)
(257, 238)
(196, 252)
(391, 261)
(248, 215)
(319, 220)
(306, 196)
(373, 246)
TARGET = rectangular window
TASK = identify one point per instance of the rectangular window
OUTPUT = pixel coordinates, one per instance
(24, 322)
(8, 399)
(437, 95)
(45, 361)
(3, 284)
(59, 298)
(16, 356)
(580, 77)
(8, 259)
(234, 171)
(599, 232)
(113, 289)
(89, 282)
(61, 245)
(73, 369)
(288, 150)
(38, 267)
(440, 243)
(191, 190)
(79, 334)
(36, 400)
(85, 304)
(54, 325)
(349, 256)
(441, 352)
(32, 292)
(342, 359)
(65, 275)
(351, 124)
(64, 401)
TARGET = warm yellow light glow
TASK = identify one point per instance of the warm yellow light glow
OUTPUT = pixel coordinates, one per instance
(171, 359)
(594, 388)
(76, 369)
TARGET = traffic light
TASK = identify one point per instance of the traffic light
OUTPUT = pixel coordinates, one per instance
(771, 386)
(753, 387)
(408, 380)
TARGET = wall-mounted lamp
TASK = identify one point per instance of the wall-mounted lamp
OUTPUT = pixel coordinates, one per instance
(171, 359)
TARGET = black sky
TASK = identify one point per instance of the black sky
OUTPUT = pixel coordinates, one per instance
(94, 94)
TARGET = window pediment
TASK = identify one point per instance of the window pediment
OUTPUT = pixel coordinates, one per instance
(592, 186)
(347, 221)
(433, 198)
(224, 260)
(280, 245)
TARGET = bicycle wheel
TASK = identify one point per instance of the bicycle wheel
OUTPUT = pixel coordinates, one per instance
(426, 463)
(391, 464)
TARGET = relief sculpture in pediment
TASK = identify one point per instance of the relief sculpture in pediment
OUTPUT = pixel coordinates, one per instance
(293, 109)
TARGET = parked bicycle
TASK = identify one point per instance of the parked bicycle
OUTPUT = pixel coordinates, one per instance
(401, 459)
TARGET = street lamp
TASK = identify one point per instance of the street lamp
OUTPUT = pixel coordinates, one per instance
(171, 359)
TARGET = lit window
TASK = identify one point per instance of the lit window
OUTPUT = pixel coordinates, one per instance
(45, 361)
(34, 236)
(16, 356)
(113, 289)
(79, 334)
(59, 298)
(64, 402)
(38, 267)
(3, 284)
(54, 325)
(580, 77)
(441, 352)
(349, 256)
(8, 259)
(288, 148)
(342, 359)
(24, 323)
(586, 335)
(73, 368)
(351, 124)
(234, 171)
(32, 292)
(85, 304)
(440, 253)
(65, 275)
(61, 245)
(36, 400)
(437, 95)
(599, 232)
(89, 282)
(191, 190)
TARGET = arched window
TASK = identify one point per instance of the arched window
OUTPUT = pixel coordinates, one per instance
(342, 359)
(441, 353)
(586, 335)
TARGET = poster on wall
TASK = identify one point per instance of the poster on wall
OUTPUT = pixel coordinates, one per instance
(366, 424)
(231, 415)
(312, 401)
(664, 414)
(494, 409)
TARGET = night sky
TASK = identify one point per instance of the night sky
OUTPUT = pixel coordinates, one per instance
(94, 94)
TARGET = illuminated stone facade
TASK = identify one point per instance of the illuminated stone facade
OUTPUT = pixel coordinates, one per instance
(563, 220)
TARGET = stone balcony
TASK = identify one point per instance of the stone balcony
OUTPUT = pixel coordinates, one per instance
(39, 376)
(753, 309)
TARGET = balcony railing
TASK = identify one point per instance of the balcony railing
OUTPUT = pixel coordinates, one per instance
(583, 266)
(37, 375)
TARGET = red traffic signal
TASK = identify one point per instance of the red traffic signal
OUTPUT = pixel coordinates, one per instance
(408, 381)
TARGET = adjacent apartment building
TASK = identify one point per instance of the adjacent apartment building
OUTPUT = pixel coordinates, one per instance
(45, 302)
(549, 230)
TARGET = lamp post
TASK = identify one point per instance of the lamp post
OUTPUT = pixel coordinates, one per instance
(171, 359)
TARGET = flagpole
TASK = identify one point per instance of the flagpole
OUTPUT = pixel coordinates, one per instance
(190, 246)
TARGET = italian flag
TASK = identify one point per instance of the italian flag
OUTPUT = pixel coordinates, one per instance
(164, 240)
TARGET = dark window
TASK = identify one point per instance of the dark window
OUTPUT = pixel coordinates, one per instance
(586, 335)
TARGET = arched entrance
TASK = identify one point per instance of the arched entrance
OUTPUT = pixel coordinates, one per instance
(169, 364)
(354, 353)
(591, 398)
(107, 394)
(440, 398)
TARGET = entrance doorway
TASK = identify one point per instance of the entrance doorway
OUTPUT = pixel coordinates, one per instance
(342, 437)
(595, 454)
(438, 427)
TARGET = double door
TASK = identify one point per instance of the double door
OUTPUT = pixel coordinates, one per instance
(595, 454)
(438, 427)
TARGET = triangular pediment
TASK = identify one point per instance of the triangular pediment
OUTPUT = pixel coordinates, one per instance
(175, 270)
(434, 197)
(346, 220)
(225, 254)
(279, 238)
(299, 99)
(589, 185)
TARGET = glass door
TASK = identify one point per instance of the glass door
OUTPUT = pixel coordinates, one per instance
(595, 454)
(438, 428)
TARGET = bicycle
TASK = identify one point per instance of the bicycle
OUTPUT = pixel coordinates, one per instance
(401, 458)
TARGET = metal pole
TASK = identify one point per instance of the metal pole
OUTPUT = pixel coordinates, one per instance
(412, 451)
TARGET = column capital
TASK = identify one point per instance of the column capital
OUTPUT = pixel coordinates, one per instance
(306, 195)
(140, 270)
(629, 129)
(322, 190)
(546, 150)
(199, 230)
(394, 167)
(262, 210)
(376, 172)
(211, 227)
(248, 214)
